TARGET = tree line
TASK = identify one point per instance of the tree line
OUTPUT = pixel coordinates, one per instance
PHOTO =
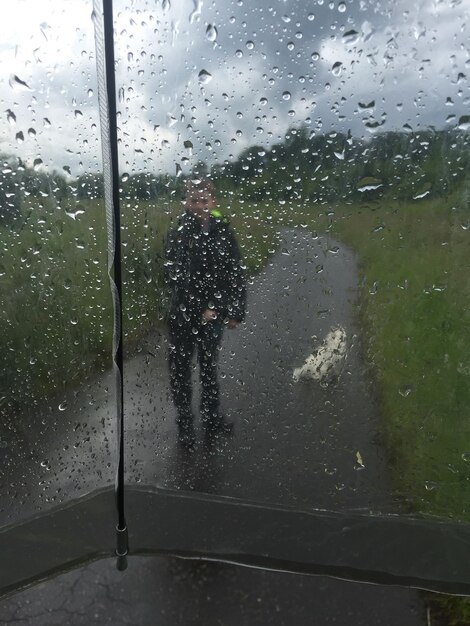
(306, 166)
(338, 167)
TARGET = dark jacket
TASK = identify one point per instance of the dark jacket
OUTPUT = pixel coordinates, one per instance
(204, 270)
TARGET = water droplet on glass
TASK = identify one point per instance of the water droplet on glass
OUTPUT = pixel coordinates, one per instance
(166, 5)
(11, 117)
(336, 69)
(464, 123)
(37, 163)
(74, 214)
(179, 171)
(19, 85)
(315, 56)
(342, 7)
(125, 177)
(369, 183)
(351, 37)
(171, 120)
(405, 391)
(286, 95)
(77, 114)
(90, 93)
(466, 457)
(196, 12)
(290, 45)
(20, 137)
(45, 28)
(263, 101)
(367, 31)
(211, 32)
(63, 406)
(47, 122)
(310, 17)
(425, 193)
(204, 77)
(430, 485)
(121, 94)
(250, 45)
(238, 54)
(367, 106)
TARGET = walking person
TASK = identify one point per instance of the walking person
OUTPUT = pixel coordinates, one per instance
(208, 293)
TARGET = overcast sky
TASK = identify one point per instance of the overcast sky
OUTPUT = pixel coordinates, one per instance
(265, 66)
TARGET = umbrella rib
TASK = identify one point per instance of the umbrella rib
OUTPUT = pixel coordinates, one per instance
(103, 21)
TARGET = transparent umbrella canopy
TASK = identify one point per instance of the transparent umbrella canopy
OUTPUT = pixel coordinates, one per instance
(234, 302)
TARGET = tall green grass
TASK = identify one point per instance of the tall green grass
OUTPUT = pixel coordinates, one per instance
(55, 305)
(414, 260)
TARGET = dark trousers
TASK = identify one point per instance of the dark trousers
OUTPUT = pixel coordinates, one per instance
(185, 338)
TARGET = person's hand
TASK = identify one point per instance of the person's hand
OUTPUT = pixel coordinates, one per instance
(209, 315)
(231, 324)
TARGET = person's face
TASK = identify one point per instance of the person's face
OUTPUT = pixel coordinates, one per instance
(199, 202)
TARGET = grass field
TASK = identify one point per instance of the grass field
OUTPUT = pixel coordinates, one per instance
(414, 308)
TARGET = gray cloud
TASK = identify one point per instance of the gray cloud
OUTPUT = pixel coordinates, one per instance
(411, 61)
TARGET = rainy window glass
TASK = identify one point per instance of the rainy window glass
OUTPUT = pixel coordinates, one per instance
(294, 187)
(57, 437)
(328, 143)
